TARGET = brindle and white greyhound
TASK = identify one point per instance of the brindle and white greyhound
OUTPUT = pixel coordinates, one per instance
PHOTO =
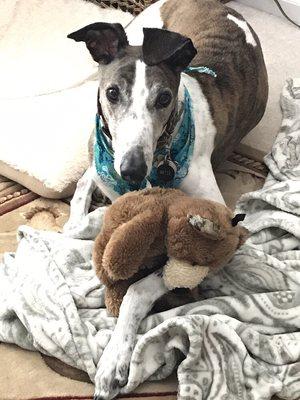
(142, 86)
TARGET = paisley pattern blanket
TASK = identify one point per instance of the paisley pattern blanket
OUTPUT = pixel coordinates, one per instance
(241, 341)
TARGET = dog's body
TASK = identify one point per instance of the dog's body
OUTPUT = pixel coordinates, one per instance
(225, 108)
(144, 85)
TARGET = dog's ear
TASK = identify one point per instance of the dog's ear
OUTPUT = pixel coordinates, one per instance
(161, 45)
(103, 40)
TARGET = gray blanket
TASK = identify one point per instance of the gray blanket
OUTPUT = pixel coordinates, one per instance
(242, 341)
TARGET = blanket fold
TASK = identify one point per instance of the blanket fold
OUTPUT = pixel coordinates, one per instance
(240, 342)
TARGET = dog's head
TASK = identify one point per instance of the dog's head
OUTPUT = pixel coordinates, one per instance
(138, 89)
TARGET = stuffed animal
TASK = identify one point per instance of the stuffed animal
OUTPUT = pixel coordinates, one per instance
(141, 228)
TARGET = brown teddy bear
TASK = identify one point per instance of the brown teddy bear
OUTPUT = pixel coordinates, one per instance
(142, 229)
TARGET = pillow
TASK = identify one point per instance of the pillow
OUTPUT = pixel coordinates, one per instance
(48, 92)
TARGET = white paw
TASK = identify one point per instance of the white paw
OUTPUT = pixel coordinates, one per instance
(113, 370)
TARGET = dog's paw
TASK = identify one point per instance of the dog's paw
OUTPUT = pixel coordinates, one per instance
(113, 370)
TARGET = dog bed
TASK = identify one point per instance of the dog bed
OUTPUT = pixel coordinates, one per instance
(24, 374)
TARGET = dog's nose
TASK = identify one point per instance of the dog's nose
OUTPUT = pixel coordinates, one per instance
(133, 166)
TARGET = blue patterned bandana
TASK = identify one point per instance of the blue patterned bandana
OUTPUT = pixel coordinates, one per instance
(181, 150)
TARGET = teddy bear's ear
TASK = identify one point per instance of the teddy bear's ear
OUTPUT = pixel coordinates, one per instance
(237, 218)
(208, 228)
(130, 243)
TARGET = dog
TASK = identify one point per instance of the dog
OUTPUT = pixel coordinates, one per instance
(195, 52)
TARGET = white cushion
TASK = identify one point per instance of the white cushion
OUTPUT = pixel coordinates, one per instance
(48, 91)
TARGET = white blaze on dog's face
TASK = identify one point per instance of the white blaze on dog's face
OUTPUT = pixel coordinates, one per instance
(138, 87)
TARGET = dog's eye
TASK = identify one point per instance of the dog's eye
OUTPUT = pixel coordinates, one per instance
(163, 100)
(112, 94)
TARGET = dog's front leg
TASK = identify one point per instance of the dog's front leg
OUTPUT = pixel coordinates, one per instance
(81, 201)
(113, 366)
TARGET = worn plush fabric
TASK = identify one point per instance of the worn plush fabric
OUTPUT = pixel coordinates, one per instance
(242, 341)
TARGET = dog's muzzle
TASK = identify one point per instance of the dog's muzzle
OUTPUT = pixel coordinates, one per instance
(133, 166)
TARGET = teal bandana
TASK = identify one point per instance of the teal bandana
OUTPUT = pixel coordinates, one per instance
(181, 150)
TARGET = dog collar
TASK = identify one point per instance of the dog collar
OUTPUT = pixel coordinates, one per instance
(201, 70)
(180, 151)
